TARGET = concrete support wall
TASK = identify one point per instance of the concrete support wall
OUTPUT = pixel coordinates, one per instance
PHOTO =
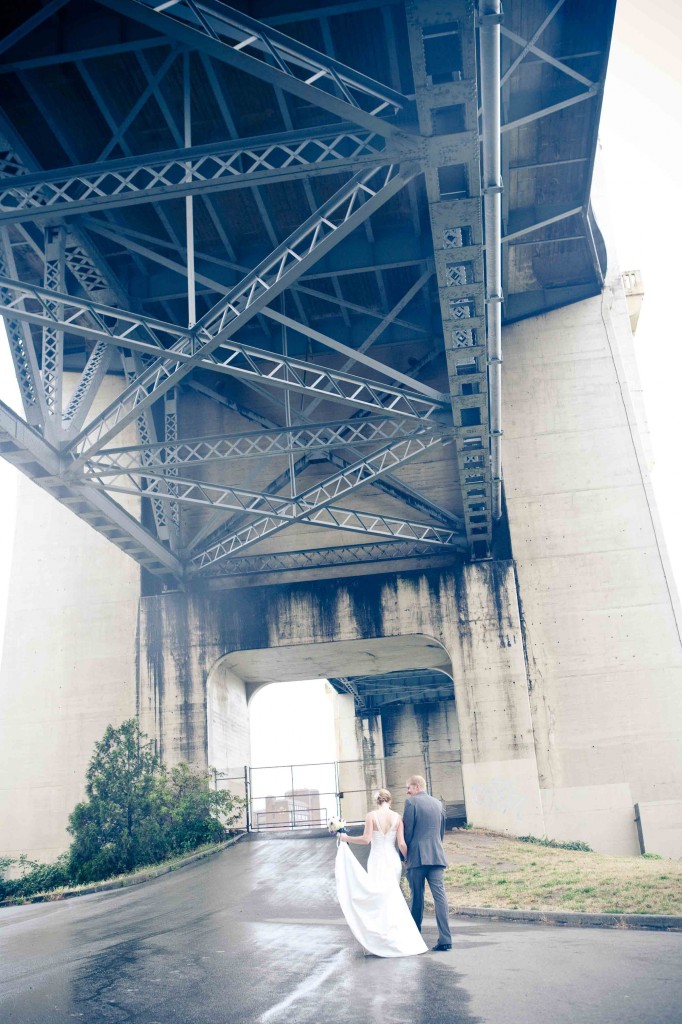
(423, 739)
(359, 752)
(598, 601)
(469, 614)
(68, 667)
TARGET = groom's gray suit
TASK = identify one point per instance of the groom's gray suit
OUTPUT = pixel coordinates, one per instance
(424, 823)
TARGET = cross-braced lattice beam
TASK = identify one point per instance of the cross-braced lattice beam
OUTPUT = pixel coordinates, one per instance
(340, 484)
(146, 431)
(21, 346)
(247, 44)
(193, 171)
(167, 457)
(53, 336)
(319, 558)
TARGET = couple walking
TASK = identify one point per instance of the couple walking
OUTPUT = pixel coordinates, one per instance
(372, 901)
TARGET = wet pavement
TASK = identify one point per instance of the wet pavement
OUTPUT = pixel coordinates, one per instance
(254, 934)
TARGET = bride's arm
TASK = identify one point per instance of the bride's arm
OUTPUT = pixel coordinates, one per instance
(402, 845)
(366, 836)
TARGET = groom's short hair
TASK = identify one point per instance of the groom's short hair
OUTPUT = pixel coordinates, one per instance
(417, 780)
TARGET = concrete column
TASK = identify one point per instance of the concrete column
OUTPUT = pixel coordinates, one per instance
(603, 643)
(68, 667)
(499, 767)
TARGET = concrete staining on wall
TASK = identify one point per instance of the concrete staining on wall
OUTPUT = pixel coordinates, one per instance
(466, 617)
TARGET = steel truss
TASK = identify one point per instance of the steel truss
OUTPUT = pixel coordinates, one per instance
(166, 457)
(193, 171)
(306, 505)
(245, 43)
(321, 558)
(399, 420)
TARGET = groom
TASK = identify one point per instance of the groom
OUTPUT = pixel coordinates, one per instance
(424, 823)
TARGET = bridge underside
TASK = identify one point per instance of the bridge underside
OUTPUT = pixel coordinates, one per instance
(257, 266)
(266, 226)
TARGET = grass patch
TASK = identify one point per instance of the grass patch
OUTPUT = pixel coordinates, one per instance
(491, 870)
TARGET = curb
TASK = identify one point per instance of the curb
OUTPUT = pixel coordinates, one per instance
(123, 883)
(574, 919)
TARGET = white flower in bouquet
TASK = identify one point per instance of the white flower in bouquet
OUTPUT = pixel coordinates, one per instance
(336, 825)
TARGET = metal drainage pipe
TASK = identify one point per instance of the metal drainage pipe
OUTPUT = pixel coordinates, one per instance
(489, 19)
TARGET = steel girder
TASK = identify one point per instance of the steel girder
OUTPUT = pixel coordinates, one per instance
(453, 187)
(251, 46)
(322, 558)
(195, 171)
(350, 206)
(304, 505)
(220, 34)
(144, 335)
(168, 455)
(32, 455)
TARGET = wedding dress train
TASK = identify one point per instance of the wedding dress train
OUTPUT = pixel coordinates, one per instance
(372, 901)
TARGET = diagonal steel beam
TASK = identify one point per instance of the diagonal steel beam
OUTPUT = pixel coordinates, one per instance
(153, 489)
(553, 109)
(332, 517)
(24, 448)
(288, 509)
(30, 24)
(212, 533)
(350, 206)
(546, 57)
(534, 38)
(315, 504)
(87, 387)
(227, 35)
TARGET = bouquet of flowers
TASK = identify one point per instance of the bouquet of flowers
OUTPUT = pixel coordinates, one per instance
(336, 825)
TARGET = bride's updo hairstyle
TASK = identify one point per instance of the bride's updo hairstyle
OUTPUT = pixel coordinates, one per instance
(382, 797)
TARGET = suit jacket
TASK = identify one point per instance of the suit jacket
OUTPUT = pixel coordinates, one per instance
(424, 823)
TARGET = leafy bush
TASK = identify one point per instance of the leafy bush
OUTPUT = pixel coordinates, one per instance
(34, 877)
(198, 814)
(137, 813)
(118, 827)
(575, 844)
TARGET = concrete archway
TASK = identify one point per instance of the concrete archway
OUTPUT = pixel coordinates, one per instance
(468, 615)
(406, 731)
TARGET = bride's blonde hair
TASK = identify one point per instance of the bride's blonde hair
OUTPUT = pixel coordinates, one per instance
(382, 796)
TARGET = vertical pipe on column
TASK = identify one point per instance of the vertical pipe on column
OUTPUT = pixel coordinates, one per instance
(490, 16)
(189, 201)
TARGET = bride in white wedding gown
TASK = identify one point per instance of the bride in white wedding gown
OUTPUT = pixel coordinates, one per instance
(372, 901)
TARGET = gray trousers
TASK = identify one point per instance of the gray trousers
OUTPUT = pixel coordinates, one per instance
(434, 875)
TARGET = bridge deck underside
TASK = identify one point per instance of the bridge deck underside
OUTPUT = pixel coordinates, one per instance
(265, 222)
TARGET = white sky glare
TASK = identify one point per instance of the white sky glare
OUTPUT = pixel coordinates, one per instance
(641, 134)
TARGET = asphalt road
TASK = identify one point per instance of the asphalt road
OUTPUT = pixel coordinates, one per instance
(254, 934)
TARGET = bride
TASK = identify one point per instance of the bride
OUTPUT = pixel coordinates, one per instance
(372, 901)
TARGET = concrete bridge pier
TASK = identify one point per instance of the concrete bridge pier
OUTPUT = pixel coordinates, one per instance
(201, 656)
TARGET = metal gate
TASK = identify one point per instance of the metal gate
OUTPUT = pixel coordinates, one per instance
(304, 796)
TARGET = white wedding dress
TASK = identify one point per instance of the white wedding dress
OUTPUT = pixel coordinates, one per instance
(372, 901)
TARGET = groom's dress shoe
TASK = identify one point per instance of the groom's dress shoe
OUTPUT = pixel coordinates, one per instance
(441, 947)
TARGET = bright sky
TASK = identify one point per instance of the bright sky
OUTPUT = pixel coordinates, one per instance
(641, 132)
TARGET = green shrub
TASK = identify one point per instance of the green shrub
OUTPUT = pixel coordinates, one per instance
(574, 844)
(137, 813)
(34, 877)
